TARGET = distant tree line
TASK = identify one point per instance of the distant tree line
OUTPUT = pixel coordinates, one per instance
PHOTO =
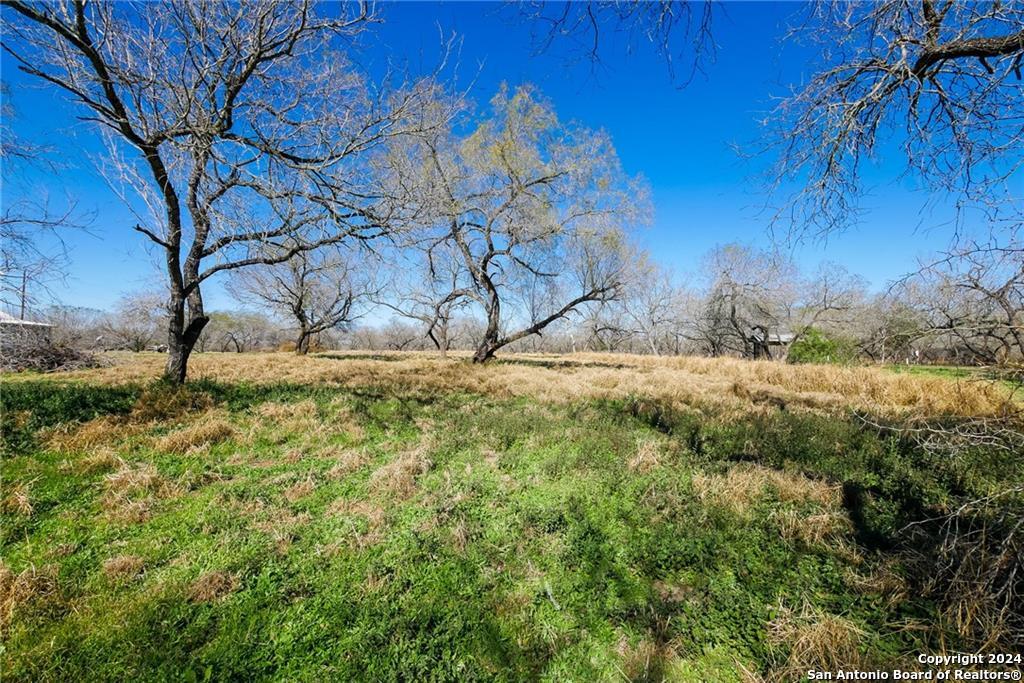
(744, 302)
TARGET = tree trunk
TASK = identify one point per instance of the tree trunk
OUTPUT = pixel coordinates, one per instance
(182, 338)
(489, 344)
(484, 352)
(180, 344)
(302, 345)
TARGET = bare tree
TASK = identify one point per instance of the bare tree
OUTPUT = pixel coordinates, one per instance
(524, 201)
(971, 301)
(236, 125)
(134, 324)
(319, 290)
(426, 288)
(651, 304)
(940, 77)
(32, 254)
(678, 31)
(755, 299)
(240, 331)
(397, 335)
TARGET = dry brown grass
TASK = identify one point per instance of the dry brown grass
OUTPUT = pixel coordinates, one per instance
(33, 585)
(373, 514)
(641, 661)
(131, 491)
(883, 580)
(100, 460)
(122, 567)
(211, 429)
(816, 640)
(300, 490)
(397, 479)
(346, 461)
(212, 586)
(282, 526)
(813, 530)
(745, 483)
(647, 457)
(282, 422)
(725, 382)
(17, 501)
(92, 435)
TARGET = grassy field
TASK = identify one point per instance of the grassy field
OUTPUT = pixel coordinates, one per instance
(405, 517)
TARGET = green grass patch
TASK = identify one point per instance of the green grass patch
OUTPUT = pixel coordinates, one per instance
(337, 535)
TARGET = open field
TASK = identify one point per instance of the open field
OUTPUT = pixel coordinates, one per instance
(404, 517)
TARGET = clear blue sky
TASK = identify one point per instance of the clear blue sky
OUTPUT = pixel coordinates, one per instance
(680, 139)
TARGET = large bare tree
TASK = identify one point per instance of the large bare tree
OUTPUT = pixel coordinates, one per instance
(425, 287)
(938, 80)
(529, 206)
(134, 324)
(231, 127)
(970, 302)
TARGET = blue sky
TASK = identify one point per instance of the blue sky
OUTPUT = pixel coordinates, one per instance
(681, 140)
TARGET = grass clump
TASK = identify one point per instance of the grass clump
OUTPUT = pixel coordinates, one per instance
(122, 567)
(815, 640)
(206, 432)
(212, 586)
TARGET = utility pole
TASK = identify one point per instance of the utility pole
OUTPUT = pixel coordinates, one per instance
(24, 282)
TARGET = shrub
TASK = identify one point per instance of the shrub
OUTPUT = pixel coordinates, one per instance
(816, 347)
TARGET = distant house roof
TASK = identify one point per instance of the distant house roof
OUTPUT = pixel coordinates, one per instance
(10, 320)
(781, 338)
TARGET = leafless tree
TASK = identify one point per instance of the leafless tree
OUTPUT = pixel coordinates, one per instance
(240, 331)
(425, 287)
(134, 324)
(753, 297)
(398, 335)
(230, 126)
(32, 253)
(886, 328)
(652, 306)
(942, 78)
(679, 32)
(318, 290)
(971, 299)
(76, 327)
(524, 202)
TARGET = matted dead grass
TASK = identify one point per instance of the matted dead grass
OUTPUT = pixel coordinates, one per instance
(18, 501)
(212, 586)
(648, 456)
(346, 461)
(815, 640)
(745, 483)
(279, 423)
(103, 459)
(33, 585)
(92, 435)
(300, 490)
(397, 479)
(122, 567)
(814, 530)
(684, 380)
(372, 514)
(211, 429)
(131, 491)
